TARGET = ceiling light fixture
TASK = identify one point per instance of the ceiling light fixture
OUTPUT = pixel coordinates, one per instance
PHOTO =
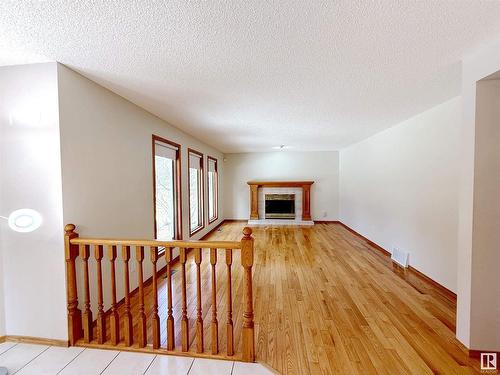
(24, 220)
(281, 147)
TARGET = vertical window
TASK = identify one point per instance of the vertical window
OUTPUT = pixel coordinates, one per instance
(213, 182)
(195, 186)
(166, 187)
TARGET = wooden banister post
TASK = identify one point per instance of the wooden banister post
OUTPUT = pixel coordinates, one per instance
(101, 317)
(170, 316)
(74, 314)
(128, 328)
(184, 319)
(155, 319)
(248, 343)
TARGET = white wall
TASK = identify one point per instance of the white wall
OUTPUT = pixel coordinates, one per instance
(107, 166)
(107, 160)
(474, 68)
(2, 298)
(322, 167)
(485, 307)
(33, 263)
(399, 188)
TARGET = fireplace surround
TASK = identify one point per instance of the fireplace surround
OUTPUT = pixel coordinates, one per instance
(301, 190)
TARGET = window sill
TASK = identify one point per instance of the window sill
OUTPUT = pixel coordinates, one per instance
(196, 230)
(212, 220)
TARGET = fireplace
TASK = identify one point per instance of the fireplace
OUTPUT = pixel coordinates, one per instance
(280, 206)
(295, 205)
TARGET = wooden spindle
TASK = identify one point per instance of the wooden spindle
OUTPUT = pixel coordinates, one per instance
(101, 318)
(114, 319)
(214, 323)
(248, 339)
(184, 319)
(199, 317)
(87, 312)
(127, 316)
(170, 317)
(139, 256)
(155, 319)
(229, 325)
(74, 313)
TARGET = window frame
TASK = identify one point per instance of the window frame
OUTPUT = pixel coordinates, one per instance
(201, 189)
(216, 190)
(177, 186)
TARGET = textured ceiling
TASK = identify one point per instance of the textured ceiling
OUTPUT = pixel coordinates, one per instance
(249, 75)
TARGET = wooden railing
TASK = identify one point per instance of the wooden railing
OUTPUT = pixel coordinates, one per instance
(123, 330)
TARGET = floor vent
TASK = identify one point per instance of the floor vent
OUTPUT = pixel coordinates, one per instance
(400, 257)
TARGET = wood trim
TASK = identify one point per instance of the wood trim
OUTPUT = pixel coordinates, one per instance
(445, 291)
(35, 340)
(146, 283)
(254, 202)
(136, 242)
(281, 183)
(306, 195)
(159, 274)
(211, 220)
(192, 232)
(451, 295)
(74, 313)
(327, 222)
(306, 202)
(248, 331)
(193, 151)
(161, 351)
(214, 229)
(199, 229)
(371, 243)
(178, 185)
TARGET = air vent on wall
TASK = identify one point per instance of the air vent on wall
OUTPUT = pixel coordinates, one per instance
(400, 257)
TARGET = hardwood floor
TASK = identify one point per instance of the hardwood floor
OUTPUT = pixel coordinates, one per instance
(327, 302)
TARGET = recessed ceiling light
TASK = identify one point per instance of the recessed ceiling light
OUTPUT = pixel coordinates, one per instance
(281, 147)
(24, 220)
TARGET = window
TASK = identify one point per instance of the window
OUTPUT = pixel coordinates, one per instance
(195, 185)
(213, 182)
(166, 189)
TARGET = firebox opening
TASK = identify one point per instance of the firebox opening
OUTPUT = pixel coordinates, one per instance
(280, 206)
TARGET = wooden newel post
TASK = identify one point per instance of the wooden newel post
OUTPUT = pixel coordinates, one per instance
(248, 343)
(74, 314)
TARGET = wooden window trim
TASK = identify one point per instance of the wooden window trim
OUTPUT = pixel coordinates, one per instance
(201, 203)
(178, 186)
(216, 193)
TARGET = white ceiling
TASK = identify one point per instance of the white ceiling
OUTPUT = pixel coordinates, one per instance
(249, 75)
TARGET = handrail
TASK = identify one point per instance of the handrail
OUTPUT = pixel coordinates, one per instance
(118, 253)
(156, 243)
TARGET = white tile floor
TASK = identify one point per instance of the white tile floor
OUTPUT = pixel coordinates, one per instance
(28, 359)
